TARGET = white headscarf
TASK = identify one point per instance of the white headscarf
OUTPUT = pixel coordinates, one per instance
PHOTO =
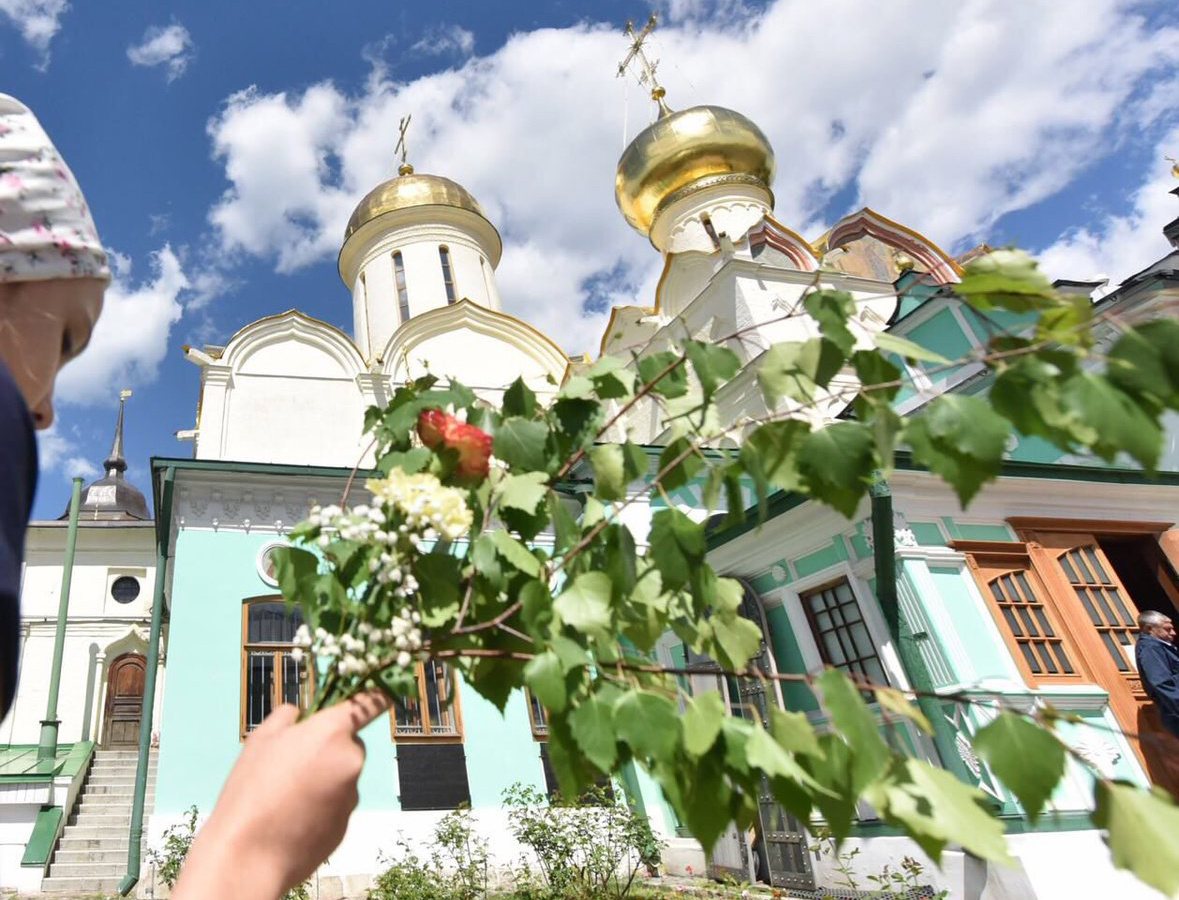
(45, 226)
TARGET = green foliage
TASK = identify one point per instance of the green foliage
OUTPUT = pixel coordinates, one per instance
(456, 867)
(169, 856)
(1141, 828)
(592, 847)
(576, 618)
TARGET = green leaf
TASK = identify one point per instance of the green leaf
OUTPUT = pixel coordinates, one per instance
(773, 449)
(836, 464)
(536, 606)
(677, 546)
(439, 576)
(669, 368)
(714, 364)
(1143, 832)
(702, 722)
(635, 461)
(936, 809)
(768, 756)
(874, 370)
(1121, 424)
(408, 461)
(515, 552)
(524, 492)
(592, 724)
(520, 443)
(799, 370)
(1027, 758)
(648, 723)
(576, 387)
(545, 677)
(612, 379)
(609, 472)
(793, 730)
(960, 438)
(832, 309)
(683, 470)
(585, 604)
(887, 342)
(856, 725)
(519, 400)
(738, 639)
(1006, 279)
(895, 702)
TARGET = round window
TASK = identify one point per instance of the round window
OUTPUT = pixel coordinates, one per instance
(266, 568)
(125, 589)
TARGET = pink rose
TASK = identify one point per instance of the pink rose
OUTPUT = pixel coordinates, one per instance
(441, 431)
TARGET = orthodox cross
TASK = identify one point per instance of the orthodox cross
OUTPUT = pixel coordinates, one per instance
(402, 147)
(1174, 165)
(123, 395)
(647, 76)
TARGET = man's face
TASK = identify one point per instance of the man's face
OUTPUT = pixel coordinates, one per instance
(43, 325)
(1164, 632)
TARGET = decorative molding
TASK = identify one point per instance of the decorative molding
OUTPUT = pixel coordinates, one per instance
(969, 757)
(1099, 753)
(257, 510)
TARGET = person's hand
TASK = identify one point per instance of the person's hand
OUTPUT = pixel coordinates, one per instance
(284, 807)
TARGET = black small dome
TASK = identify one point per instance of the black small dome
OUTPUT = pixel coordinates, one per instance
(112, 497)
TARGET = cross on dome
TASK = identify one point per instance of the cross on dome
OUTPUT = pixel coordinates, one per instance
(647, 75)
(402, 147)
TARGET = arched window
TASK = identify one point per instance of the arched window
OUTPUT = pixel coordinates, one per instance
(447, 274)
(270, 675)
(402, 290)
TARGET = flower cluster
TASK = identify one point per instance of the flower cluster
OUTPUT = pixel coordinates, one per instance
(359, 652)
(428, 509)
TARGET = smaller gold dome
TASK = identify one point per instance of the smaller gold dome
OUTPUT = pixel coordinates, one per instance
(694, 147)
(408, 190)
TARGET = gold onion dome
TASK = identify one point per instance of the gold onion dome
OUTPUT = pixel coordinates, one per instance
(407, 190)
(685, 151)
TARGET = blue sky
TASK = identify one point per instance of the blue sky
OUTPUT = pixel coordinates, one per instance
(223, 146)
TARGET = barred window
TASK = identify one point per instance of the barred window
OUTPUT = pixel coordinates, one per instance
(841, 633)
(270, 675)
(433, 714)
(537, 717)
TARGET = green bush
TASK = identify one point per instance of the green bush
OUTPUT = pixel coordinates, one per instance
(455, 870)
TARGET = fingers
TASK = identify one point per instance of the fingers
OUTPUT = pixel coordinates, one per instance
(356, 712)
(282, 718)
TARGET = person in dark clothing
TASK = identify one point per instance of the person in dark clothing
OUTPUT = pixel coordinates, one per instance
(1158, 665)
(53, 274)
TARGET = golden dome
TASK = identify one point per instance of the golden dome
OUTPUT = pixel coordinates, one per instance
(686, 150)
(408, 190)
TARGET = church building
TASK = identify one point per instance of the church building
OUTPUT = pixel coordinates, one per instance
(1028, 597)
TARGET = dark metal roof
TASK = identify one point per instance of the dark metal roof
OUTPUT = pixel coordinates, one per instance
(112, 497)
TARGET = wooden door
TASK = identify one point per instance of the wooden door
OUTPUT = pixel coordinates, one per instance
(1102, 615)
(124, 701)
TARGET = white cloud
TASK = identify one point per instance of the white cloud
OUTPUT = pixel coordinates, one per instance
(940, 115)
(131, 336)
(169, 46)
(1123, 243)
(80, 467)
(37, 20)
(446, 40)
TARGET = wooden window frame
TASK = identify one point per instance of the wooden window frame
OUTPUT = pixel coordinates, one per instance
(995, 554)
(279, 649)
(817, 633)
(426, 737)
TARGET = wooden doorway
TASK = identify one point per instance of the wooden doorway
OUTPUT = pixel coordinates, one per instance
(1101, 575)
(124, 701)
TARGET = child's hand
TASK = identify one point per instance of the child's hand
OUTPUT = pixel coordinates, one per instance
(284, 807)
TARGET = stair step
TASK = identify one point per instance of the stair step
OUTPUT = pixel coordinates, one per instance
(100, 822)
(88, 870)
(102, 833)
(103, 856)
(80, 886)
(106, 840)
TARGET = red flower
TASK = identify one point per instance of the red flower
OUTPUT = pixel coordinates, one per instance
(440, 431)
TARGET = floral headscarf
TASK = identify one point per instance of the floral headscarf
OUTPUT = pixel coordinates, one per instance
(45, 227)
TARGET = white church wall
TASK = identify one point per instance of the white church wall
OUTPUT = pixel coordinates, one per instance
(98, 628)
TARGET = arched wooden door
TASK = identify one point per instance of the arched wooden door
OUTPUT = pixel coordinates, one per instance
(124, 701)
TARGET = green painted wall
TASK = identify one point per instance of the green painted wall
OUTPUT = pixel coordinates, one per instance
(989, 658)
(212, 574)
(833, 553)
(788, 658)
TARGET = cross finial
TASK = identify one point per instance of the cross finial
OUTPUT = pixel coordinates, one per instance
(402, 147)
(647, 75)
(1174, 165)
(123, 395)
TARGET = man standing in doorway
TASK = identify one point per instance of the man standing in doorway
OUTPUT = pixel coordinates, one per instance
(1158, 665)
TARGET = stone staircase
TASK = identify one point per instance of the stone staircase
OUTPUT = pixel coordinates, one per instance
(91, 857)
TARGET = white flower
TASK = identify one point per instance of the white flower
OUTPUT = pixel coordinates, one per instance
(404, 659)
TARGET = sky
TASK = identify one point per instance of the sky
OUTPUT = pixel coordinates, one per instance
(223, 146)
